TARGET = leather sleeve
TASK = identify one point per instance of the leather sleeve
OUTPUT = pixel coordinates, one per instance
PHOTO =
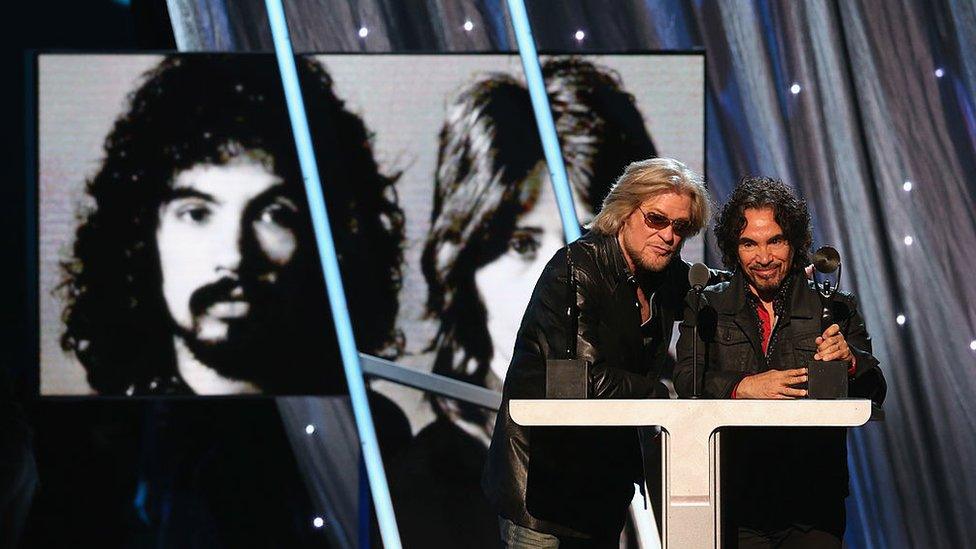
(713, 381)
(869, 381)
(606, 378)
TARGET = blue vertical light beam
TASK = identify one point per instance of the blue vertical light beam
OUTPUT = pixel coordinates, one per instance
(543, 119)
(333, 280)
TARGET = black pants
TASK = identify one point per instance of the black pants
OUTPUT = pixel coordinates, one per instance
(792, 525)
(792, 537)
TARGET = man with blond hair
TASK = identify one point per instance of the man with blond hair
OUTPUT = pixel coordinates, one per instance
(559, 487)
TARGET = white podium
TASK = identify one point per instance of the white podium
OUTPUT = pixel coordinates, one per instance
(691, 512)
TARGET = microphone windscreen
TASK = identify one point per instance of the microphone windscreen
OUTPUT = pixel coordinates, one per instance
(698, 275)
(826, 259)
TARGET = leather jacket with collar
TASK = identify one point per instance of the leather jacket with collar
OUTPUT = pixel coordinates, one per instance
(733, 346)
(774, 477)
(580, 481)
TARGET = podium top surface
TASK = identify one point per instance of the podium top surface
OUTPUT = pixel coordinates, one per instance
(703, 414)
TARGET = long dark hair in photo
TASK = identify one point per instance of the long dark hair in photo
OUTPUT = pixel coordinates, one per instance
(188, 110)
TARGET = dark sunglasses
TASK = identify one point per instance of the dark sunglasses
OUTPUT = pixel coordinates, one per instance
(658, 222)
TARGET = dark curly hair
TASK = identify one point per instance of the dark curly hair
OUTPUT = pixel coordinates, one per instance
(189, 109)
(489, 146)
(789, 210)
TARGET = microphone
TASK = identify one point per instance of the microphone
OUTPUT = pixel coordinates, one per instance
(826, 260)
(698, 277)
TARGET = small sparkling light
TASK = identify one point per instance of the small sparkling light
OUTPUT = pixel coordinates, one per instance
(907, 186)
(363, 32)
(468, 25)
(909, 240)
(900, 319)
(939, 73)
(318, 522)
(972, 345)
(580, 35)
(795, 88)
(309, 429)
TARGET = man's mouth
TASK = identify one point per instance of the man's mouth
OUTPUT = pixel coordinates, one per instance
(661, 250)
(765, 272)
(225, 299)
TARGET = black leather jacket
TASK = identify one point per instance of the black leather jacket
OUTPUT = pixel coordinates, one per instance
(774, 477)
(580, 481)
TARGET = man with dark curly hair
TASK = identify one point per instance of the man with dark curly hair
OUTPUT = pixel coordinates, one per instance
(195, 271)
(780, 487)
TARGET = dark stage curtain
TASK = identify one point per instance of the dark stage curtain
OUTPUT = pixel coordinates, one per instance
(886, 97)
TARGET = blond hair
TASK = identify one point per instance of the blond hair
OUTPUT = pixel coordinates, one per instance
(646, 179)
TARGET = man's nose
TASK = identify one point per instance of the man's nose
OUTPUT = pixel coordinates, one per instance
(763, 255)
(667, 234)
(227, 248)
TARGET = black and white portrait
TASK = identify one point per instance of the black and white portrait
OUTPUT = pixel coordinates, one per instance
(495, 223)
(192, 267)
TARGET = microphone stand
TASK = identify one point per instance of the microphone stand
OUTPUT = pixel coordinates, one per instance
(694, 349)
(698, 276)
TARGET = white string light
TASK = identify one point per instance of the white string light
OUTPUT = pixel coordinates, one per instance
(909, 240)
(580, 35)
(900, 319)
(972, 345)
(939, 73)
(318, 522)
(907, 186)
(363, 32)
(468, 25)
(309, 429)
(795, 88)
